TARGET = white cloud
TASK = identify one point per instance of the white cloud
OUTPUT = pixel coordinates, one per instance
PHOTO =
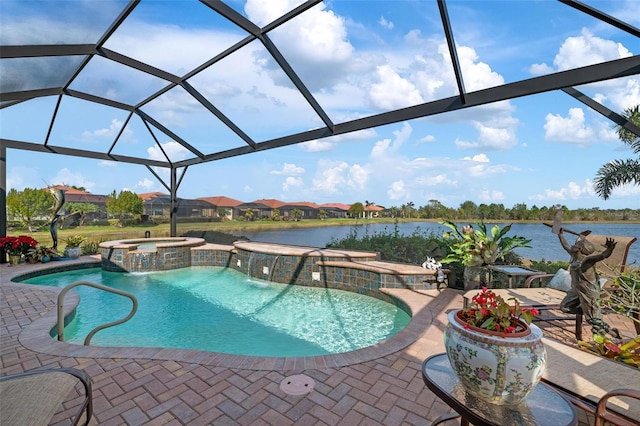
(579, 51)
(109, 133)
(387, 148)
(327, 144)
(105, 163)
(571, 129)
(480, 166)
(334, 177)
(397, 191)
(381, 148)
(440, 179)
(173, 149)
(146, 184)
(393, 91)
(292, 182)
(358, 177)
(627, 190)
(316, 42)
(317, 145)
(385, 24)
(289, 169)
(588, 49)
(572, 191)
(330, 175)
(69, 178)
(494, 195)
(427, 139)
(477, 75)
(624, 94)
(481, 158)
(490, 138)
(540, 69)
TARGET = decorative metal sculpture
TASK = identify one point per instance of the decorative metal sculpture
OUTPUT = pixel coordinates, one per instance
(585, 281)
(58, 201)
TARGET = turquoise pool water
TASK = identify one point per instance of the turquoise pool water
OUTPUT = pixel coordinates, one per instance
(152, 245)
(222, 310)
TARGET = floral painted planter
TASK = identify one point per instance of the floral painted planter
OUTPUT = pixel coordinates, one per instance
(500, 370)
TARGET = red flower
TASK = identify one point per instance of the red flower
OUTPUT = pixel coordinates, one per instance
(18, 245)
(491, 312)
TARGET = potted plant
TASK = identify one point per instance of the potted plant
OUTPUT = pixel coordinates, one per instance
(73, 243)
(476, 248)
(494, 349)
(41, 253)
(626, 351)
(16, 247)
(623, 297)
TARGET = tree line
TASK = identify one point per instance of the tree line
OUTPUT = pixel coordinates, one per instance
(469, 210)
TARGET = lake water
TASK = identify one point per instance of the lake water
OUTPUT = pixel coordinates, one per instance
(544, 244)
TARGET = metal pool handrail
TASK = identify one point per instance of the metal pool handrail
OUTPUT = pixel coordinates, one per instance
(101, 327)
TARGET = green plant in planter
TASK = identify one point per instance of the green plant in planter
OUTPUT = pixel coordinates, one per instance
(626, 350)
(74, 241)
(72, 248)
(40, 252)
(480, 247)
(489, 311)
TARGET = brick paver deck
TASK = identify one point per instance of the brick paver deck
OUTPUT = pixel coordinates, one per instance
(380, 386)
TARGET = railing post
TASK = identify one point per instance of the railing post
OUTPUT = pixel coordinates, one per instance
(65, 290)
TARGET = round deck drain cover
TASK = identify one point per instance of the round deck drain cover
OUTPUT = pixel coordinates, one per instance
(298, 384)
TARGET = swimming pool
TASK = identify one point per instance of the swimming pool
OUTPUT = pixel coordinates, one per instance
(221, 310)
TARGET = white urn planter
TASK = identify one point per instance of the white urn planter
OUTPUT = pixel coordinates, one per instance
(501, 370)
(72, 252)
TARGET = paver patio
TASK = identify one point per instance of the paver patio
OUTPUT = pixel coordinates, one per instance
(378, 386)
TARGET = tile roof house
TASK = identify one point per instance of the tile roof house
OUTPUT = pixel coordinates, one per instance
(221, 202)
(159, 204)
(372, 210)
(336, 210)
(307, 209)
(260, 209)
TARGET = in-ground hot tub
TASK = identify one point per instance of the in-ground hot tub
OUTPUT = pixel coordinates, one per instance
(148, 254)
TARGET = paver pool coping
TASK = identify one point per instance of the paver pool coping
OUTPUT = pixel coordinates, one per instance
(36, 336)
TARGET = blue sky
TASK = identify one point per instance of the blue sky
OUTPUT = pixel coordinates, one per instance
(358, 58)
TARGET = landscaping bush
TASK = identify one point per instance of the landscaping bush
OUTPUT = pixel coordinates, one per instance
(548, 266)
(414, 249)
(90, 247)
(395, 247)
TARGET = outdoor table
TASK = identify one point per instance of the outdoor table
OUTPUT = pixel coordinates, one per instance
(512, 271)
(543, 406)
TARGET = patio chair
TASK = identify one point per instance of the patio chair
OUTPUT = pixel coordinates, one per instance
(34, 397)
(545, 298)
(604, 416)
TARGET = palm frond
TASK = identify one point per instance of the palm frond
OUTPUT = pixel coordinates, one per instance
(614, 174)
(627, 136)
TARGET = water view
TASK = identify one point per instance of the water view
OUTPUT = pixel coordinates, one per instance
(544, 244)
